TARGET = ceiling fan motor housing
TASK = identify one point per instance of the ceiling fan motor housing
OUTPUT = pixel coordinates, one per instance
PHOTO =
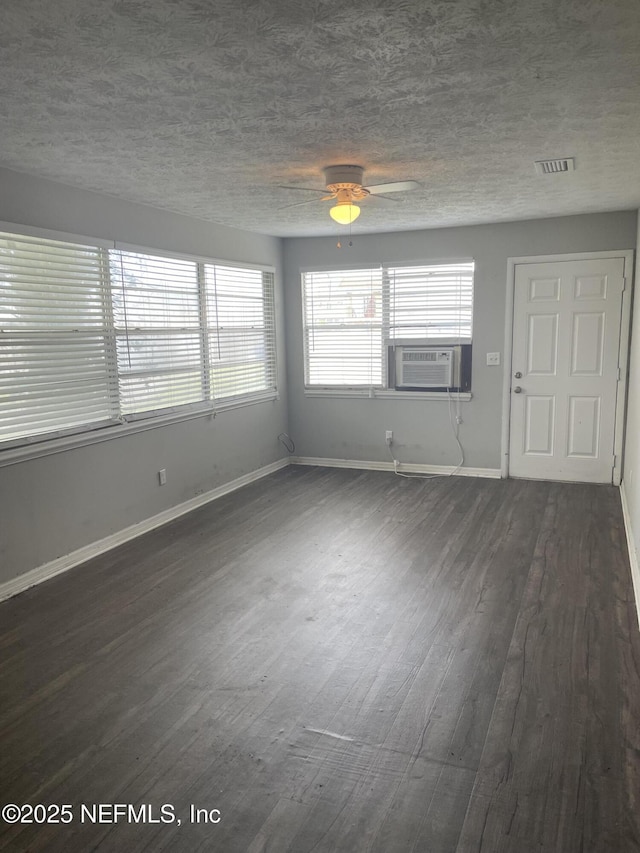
(346, 181)
(344, 175)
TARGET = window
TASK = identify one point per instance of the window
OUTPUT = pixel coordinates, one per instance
(343, 327)
(56, 366)
(431, 303)
(352, 316)
(92, 336)
(156, 311)
(241, 330)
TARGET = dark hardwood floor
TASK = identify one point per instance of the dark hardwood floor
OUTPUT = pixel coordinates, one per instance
(336, 661)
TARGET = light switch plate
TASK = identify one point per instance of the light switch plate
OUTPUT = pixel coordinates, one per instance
(493, 359)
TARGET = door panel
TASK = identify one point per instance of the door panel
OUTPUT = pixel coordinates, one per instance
(539, 425)
(566, 328)
(587, 344)
(544, 289)
(590, 287)
(542, 344)
(583, 429)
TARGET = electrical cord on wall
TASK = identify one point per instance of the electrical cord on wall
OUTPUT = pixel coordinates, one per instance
(287, 441)
(454, 430)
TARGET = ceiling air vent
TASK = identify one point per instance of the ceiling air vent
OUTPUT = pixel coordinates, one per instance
(553, 167)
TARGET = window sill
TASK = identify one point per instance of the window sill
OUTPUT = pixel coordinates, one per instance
(388, 394)
(48, 447)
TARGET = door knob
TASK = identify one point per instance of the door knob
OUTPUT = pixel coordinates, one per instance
(517, 390)
(518, 375)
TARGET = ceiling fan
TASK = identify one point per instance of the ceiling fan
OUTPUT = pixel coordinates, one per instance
(344, 186)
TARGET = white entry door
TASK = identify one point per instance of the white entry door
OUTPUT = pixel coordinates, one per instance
(564, 371)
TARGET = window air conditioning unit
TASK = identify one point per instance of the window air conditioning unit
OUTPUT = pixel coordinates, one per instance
(421, 367)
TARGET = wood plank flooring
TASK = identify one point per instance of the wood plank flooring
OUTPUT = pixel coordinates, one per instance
(337, 661)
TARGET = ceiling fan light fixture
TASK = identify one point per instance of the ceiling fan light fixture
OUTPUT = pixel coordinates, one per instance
(344, 212)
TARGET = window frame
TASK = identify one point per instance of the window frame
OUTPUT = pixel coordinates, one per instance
(34, 445)
(383, 389)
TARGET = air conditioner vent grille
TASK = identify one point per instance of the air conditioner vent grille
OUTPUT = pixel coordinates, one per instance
(554, 167)
(407, 356)
(424, 368)
(429, 375)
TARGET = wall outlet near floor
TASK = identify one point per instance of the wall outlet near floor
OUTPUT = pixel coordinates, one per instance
(162, 476)
(388, 436)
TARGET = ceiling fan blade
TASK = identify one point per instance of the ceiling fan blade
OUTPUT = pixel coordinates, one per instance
(395, 187)
(298, 203)
(304, 189)
(310, 201)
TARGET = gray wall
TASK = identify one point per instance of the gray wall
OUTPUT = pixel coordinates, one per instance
(354, 428)
(51, 506)
(631, 472)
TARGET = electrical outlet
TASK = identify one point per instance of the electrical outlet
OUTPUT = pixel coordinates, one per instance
(388, 436)
(162, 476)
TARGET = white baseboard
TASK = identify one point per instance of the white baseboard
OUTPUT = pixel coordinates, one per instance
(633, 551)
(405, 467)
(94, 549)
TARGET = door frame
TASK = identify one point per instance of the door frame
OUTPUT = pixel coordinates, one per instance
(623, 350)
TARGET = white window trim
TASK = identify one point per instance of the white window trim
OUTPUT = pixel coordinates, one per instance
(109, 432)
(182, 256)
(417, 261)
(104, 243)
(62, 236)
(388, 394)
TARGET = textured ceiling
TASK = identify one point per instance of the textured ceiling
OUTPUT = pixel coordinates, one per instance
(204, 107)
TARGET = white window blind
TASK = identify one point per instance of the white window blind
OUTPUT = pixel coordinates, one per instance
(431, 302)
(343, 327)
(91, 336)
(156, 309)
(350, 315)
(240, 330)
(57, 362)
